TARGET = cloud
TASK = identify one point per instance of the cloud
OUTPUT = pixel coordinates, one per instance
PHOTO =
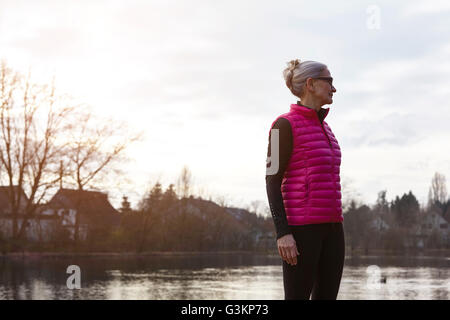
(423, 7)
(51, 43)
(393, 129)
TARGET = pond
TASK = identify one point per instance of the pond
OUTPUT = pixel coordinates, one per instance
(212, 276)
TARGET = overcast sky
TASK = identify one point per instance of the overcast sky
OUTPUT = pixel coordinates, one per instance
(203, 80)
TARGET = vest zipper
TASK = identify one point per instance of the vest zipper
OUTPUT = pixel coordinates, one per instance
(332, 156)
(329, 141)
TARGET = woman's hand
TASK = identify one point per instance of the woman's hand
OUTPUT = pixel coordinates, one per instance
(287, 248)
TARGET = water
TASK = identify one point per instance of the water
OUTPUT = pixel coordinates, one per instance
(209, 276)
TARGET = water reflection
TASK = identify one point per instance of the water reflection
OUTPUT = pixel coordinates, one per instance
(198, 277)
(401, 284)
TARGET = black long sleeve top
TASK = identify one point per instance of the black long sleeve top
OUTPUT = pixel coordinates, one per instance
(273, 182)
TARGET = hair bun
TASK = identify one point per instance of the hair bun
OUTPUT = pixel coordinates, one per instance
(293, 64)
(289, 72)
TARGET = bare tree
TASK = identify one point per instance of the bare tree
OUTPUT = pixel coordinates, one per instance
(43, 140)
(438, 190)
(255, 206)
(96, 146)
(32, 116)
(202, 192)
(266, 213)
(184, 182)
(222, 201)
(349, 194)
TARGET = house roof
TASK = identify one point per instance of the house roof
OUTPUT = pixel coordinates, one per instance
(434, 217)
(447, 214)
(5, 194)
(207, 209)
(238, 213)
(89, 203)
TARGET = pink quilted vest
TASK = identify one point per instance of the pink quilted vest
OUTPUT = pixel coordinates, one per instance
(311, 185)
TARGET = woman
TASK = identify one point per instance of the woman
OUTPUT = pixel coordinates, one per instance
(303, 187)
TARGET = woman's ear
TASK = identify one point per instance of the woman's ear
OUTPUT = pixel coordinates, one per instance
(310, 84)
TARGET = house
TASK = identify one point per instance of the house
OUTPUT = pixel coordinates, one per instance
(238, 224)
(447, 214)
(5, 201)
(237, 213)
(379, 225)
(38, 227)
(41, 227)
(434, 223)
(432, 228)
(92, 209)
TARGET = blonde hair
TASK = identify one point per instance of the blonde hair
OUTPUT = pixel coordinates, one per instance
(297, 72)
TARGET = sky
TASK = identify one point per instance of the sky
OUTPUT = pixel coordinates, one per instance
(203, 80)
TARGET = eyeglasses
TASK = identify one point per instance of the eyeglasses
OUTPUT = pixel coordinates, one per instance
(327, 79)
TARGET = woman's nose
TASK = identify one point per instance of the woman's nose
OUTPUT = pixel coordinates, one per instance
(333, 88)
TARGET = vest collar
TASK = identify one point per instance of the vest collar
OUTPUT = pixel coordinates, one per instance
(309, 112)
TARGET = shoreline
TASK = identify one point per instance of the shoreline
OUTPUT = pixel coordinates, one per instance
(129, 254)
(349, 255)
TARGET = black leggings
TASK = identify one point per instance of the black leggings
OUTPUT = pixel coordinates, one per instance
(319, 265)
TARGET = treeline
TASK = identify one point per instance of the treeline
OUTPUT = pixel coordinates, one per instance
(400, 225)
(165, 220)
